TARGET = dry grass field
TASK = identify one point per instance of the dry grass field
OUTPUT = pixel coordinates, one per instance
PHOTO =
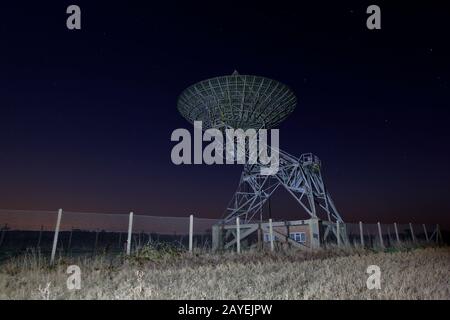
(333, 274)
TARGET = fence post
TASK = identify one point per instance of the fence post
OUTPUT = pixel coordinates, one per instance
(40, 237)
(425, 230)
(55, 237)
(2, 237)
(216, 238)
(139, 239)
(338, 234)
(314, 233)
(412, 232)
(70, 239)
(396, 232)
(438, 234)
(361, 233)
(238, 236)
(96, 240)
(130, 230)
(380, 235)
(271, 235)
(191, 231)
(260, 245)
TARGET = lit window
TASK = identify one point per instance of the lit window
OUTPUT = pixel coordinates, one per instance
(298, 236)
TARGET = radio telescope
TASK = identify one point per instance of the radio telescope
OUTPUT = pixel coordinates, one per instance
(253, 102)
(237, 101)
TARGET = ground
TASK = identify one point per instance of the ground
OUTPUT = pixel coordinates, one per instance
(422, 273)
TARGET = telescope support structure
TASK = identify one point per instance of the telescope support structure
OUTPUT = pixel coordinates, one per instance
(301, 177)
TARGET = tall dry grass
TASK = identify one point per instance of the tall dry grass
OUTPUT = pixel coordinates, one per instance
(327, 274)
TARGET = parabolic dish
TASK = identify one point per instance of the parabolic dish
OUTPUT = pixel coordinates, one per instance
(237, 101)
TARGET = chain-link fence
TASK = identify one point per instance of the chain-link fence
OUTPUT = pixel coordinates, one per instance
(81, 233)
(380, 235)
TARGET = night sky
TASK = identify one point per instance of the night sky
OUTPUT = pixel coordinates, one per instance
(86, 116)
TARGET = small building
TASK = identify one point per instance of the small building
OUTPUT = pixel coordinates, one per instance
(303, 234)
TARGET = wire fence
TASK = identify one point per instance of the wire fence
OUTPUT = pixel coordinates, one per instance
(80, 233)
(380, 235)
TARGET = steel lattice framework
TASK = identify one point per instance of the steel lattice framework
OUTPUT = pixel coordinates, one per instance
(253, 102)
(301, 177)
